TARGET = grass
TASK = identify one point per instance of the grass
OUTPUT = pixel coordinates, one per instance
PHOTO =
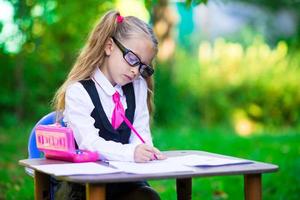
(280, 149)
(14, 183)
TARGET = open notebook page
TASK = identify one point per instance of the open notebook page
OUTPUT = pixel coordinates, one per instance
(152, 167)
(201, 160)
(75, 169)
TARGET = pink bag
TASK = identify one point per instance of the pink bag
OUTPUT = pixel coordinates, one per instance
(57, 142)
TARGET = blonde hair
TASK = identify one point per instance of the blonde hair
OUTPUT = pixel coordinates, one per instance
(92, 55)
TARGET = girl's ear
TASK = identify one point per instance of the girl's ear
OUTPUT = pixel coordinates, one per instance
(108, 47)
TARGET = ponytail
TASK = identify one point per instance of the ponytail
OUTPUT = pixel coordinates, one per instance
(92, 54)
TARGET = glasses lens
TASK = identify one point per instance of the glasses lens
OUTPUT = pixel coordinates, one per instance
(131, 58)
(146, 71)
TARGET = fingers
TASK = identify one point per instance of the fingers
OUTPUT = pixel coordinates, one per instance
(142, 159)
(148, 148)
(156, 151)
(161, 156)
(146, 153)
(158, 154)
(143, 153)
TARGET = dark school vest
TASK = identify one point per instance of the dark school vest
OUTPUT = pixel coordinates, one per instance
(106, 130)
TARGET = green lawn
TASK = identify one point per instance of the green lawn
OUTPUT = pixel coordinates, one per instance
(281, 149)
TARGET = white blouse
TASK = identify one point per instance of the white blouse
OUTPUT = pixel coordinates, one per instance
(77, 115)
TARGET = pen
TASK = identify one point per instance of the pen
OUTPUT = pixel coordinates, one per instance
(136, 133)
(105, 162)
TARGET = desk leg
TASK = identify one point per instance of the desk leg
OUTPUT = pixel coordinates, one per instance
(184, 188)
(252, 186)
(95, 191)
(41, 186)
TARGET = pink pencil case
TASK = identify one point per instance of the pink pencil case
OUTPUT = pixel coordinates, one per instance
(58, 143)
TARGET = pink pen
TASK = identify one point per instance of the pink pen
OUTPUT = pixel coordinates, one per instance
(136, 133)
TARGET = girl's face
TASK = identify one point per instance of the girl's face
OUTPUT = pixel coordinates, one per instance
(116, 69)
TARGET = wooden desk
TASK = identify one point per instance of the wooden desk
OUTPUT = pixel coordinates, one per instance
(95, 184)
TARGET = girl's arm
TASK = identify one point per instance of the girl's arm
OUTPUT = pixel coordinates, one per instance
(78, 107)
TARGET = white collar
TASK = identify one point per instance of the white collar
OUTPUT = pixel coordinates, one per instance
(104, 83)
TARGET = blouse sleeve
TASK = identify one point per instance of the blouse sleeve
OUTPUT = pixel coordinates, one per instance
(141, 117)
(77, 114)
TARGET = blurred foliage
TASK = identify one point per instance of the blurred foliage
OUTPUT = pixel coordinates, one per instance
(53, 34)
(246, 87)
(293, 6)
(271, 4)
(250, 88)
(173, 105)
(50, 35)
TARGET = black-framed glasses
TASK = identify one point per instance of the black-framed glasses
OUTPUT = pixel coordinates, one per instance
(133, 60)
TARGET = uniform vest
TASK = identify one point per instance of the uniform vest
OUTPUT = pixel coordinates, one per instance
(106, 130)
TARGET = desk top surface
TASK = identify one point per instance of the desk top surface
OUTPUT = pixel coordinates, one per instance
(252, 168)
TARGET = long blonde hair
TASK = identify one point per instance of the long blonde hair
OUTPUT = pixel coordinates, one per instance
(92, 55)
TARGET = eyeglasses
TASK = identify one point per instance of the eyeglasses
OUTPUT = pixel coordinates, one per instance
(133, 60)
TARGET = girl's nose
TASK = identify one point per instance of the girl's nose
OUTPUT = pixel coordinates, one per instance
(134, 70)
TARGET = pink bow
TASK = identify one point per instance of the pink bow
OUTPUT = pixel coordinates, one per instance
(120, 18)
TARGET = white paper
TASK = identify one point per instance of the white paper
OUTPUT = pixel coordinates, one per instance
(201, 160)
(171, 164)
(87, 168)
(152, 167)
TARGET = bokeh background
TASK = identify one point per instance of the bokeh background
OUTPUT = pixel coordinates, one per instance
(226, 81)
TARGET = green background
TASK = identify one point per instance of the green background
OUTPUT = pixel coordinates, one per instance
(236, 94)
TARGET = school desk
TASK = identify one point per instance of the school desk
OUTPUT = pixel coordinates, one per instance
(95, 184)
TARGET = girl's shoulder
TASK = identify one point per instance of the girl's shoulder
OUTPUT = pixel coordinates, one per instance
(140, 90)
(140, 85)
(76, 89)
(76, 86)
(76, 93)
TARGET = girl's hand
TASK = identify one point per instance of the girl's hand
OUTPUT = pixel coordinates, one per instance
(158, 154)
(145, 153)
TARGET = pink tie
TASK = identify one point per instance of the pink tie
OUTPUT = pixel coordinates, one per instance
(118, 117)
(118, 113)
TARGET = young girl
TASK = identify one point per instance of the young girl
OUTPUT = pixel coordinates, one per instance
(113, 71)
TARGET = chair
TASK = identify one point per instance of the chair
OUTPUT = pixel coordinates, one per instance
(33, 151)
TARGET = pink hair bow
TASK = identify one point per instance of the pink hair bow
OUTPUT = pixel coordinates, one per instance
(120, 19)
